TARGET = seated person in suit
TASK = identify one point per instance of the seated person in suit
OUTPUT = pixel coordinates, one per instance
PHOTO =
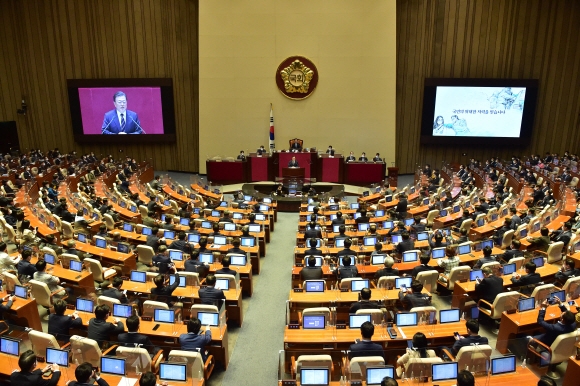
(211, 295)
(84, 373)
(312, 232)
(378, 249)
(423, 267)
(168, 223)
(215, 229)
(566, 323)
(312, 250)
(419, 351)
(226, 267)
(226, 217)
(540, 243)
(364, 302)
(51, 281)
(132, 338)
(567, 271)
(155, 239)
(164, 292)
(293, 163)
(180, 244)
(346, 270)
(338, 220)
(363, 217)
(350, 157)
(413, 297)
(346, 251)
(162, 260)
(438, 240)
(498, 236)
(388, 270)
(115, 291)
(487, 258)
(418, 226)
(512, 251)
(363, 157)
(28, 376)
(406, 245)
(311, 271)
(194, 265)
(489, 287)
(60, 324)
(5, 307)
(365, 347)
(24, 266)
(236, 247)
(531, 277)
(377, 158)
(464, 217)
(472, 337)
(101, 330)
(296, 145)
(463, 237)
(194, 340)
(261, 150)
(242, 156)
(330, 150)
(399, 229)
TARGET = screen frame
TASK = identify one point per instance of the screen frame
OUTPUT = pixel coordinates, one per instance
(428, 113)
(167, 108)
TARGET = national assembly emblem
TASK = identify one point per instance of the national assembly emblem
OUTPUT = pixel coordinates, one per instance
(297, 77)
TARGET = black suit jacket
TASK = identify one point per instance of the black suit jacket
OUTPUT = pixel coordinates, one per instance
(552, 329)
(363, 305)
(365, 349)
(101, 330)
(532, 278)
(311, 273)
(312, 234)
(115, 294)
(100, 382)
(19, 378)
(212, 296)
(111, 124)
(467, 341)
(129, 339)
(489, 288)
(60, 325)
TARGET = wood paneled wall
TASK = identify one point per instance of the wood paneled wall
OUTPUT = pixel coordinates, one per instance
(518, 39)
(46, 42)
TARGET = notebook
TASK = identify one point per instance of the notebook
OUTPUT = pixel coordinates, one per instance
(206, 258)
(223, 284)
(410, 256)
(182, 281)
(176, 255)
(370, 241)
(146, 231)
(239, 260)
(127, 227)
(49, 258)
(247, 241)
(82, 238)
(358, 285)
(508, 269)
(526, 304)
(376, 374)
(122, 248)
(101, 243)
(20, 291)
(421, 236)
(463, 249)
(85, 305)
(475, 274)
(396, 239)
(363, 226)
(60, 357)
(403, 281)
(122, 310)
(378, 259)
(193, 238)
(169, 235)
(76, 266)
(438, 253)
(9, 346)
(319, 376)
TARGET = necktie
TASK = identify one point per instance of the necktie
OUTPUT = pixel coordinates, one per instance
(122, 122)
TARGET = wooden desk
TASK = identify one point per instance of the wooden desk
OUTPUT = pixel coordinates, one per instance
(245, 274)
(523, 323)
(233, 297)
(552, 226)
(468, 258)
(43, 229)
(128, 261)
(24, 312)
(468, 288)
(447, 221)
(572, 374)
(77, 280)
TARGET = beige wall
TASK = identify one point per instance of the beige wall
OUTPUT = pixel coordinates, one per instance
(353, 45)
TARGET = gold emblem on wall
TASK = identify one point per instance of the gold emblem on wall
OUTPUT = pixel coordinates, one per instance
(297, 77)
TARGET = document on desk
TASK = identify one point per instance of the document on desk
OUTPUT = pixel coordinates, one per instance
(125, 381)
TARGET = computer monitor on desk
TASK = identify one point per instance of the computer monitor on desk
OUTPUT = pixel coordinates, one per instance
(503, 365)
(315, 376)
(164, 316)
(113, 365)
(403, 319)
(376, 374)
(176, 372)
(356, 320)
(444, 371)
(138, 276)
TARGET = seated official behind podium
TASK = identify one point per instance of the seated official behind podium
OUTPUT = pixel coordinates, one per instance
(85, 374)
(296, 146)
(59, 324)
(311, 271)
(365, 347)
(27, 376)
(194, 340)
(363, 157)
(351, 157)
(330, 151)
(211, 295)
(242, 156)
(364, 302)
(293, 163)
(414, 297)
(101, 330)
(377, 158)
(132, 338)
(261, 150)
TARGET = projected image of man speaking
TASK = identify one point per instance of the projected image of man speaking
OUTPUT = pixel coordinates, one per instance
(120, 120)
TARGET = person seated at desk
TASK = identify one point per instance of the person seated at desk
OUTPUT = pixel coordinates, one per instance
(311, 271)
(516, 220)
(347, 270)
(115, 291)
(194, 340)
(365, 347)
(364, 302)
(363, 219)
(498, 236)
(464, 217)
(132, 338)
(168, 225)
(162, 260)
(50, 243)
(418, 226)
(215, 229)
(487, 258)
(566, 323)
(296, 146)
(155, 239)
(377, 158)
(226, 268)
(312, 250)
(180, 244)
(84, 373)
(27, 376)
(541, 243)
(512, 251)
(242, 156)
(60, 324)
(6, 262)
(413, 297)
(148, 220)
(350, 157)
(81, 224)
(50, 280)
(397, 230)
(401, 208)
(25, 267)
(406, 245)
(472, 337)
(312, 232)
(419, 351)
(363, 157)
(293, 163)
(148, 379)
(236, 247)
(152, 205)
(463, 237)
(7, 306)
(101, 330)
(531, 277)
(438, 240)
(378, 249)
(203, 245)
(346, 251)
(450, 261)
(338, 220)
(341, 232)
(211, 295)
(330, 151)
(161, 290)
(488, 287)
(226, 217)
(564, 235)
(261, 150)
(423, 267)
(388, 270)
(566, 271)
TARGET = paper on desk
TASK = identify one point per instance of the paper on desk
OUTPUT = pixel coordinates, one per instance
(128, 381)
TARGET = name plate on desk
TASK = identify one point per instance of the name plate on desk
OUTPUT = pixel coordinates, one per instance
(344, 290)
(290, 382)
(294, 326)
(355, 383)
(341, 326)
(298, 290)
(299, 265)
(146, 318)
(512, 311)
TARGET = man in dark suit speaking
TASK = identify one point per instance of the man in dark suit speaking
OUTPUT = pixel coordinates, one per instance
(120, 120)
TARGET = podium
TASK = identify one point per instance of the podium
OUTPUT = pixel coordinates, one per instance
(293, 172)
